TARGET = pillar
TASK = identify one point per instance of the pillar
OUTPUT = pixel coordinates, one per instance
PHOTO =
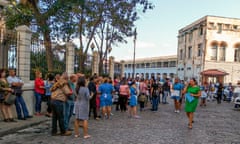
(122, 68)
(95, 63)
(111, 66)
(23, 52)
(70, 58)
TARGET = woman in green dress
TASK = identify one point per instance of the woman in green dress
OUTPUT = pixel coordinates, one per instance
(190, 106)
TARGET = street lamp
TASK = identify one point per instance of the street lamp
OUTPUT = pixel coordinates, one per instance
(134, 52)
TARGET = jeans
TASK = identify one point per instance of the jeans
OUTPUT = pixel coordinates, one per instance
(69, 105)
(164, 97)
(49, 108)
(155, 103)
(57, 116)
(38, 103)
(21, 107)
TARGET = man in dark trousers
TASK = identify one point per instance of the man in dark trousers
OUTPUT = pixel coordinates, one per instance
(93, 92)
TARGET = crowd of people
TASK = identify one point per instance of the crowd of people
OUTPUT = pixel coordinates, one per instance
(77, 96)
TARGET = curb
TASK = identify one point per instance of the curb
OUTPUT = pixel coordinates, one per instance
(15, 129)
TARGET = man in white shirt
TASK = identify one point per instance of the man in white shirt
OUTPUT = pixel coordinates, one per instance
(16, 84)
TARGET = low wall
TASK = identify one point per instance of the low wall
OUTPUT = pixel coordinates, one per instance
(29, 98)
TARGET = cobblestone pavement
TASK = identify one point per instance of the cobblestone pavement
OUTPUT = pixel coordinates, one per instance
(214, 124)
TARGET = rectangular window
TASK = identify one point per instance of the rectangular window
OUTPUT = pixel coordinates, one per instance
(165, 64)
(159, 64)
(235, 27)
(200, 31)
(219, 28)
(199, 53)
(227, 27)
(181, 54)
(211, 25)
(190, 36)
(190, 52)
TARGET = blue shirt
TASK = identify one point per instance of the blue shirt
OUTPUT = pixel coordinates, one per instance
(106, 88)
(178, 86)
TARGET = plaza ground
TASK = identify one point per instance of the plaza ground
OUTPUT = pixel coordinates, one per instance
(214, 124)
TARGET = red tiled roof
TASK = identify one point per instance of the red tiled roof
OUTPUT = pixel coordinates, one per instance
(213, 72)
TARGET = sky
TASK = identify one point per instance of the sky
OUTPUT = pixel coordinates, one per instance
(157, 29)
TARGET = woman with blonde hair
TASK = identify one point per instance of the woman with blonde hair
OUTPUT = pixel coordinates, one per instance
(39, 91)
(5, 90)
(192, 93)
(176, 90)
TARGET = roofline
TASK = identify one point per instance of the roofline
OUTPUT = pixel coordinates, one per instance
(153, 58)
(203, 19)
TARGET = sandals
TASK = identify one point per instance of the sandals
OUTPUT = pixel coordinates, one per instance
(190, 126)
(76, 136)
(87, 136)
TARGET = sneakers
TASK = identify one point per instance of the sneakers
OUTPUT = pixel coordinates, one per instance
(67, 133)
(137, 117)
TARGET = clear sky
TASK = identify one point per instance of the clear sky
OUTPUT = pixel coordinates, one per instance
(158, 28)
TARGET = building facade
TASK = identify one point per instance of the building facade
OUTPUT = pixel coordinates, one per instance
(160, 67)
(210, 44)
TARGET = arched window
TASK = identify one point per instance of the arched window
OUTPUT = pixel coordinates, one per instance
(213, 52)
(237, 52)
(222, 51)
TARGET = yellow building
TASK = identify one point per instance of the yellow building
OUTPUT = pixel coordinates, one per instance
(209, 50)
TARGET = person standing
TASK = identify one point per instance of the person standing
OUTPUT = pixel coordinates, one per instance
(60, 91)
(192, 93)
(155, 95)
(176, 90)
(39, 91)
(82, 107)
(143, 94)
(219, 93)
(124, 93)
(48, 85)
(4, 91)
(69, 104)
(133, 101)
(166, 91)
(16, 84)
(106, 89)
(93, 92)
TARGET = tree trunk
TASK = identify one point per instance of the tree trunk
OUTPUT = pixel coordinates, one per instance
(49, 53)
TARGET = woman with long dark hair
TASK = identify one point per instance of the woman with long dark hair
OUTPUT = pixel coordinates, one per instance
(4, 91)
(192, 93)
(82, 107)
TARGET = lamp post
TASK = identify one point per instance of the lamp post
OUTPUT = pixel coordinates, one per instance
(134, 51)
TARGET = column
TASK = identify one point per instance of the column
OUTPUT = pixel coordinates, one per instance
(70, 58)
(95, 63)
(111, 66)
(23, 52)
(122, 68)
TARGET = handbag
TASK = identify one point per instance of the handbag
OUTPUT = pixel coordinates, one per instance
(142, 98)
(189, 98)
(10, 99)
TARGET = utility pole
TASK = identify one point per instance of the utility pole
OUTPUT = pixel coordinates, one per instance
(134, 52)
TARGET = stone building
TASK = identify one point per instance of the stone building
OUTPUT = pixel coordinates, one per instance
(209, 50)
(160, 67)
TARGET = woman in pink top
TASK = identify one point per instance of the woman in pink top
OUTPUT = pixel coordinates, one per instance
(123, 95)
(39, 91)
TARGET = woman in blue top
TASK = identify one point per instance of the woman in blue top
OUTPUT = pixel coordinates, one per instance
(133, 100)
(176, 90)
(106, 89)
(48, 85)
